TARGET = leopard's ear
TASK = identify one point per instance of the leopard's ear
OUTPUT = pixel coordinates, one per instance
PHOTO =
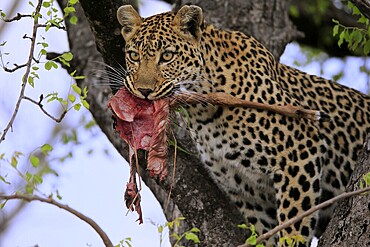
(188, 22)
(129, 19)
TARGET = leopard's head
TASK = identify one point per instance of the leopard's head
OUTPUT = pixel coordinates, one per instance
(162, 52)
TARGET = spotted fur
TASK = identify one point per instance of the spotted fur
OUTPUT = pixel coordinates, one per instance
(272, 166)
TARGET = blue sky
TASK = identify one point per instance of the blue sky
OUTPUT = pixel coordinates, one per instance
(93, 184)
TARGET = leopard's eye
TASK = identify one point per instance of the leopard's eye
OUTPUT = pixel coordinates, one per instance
(133, 56)
(167, 56)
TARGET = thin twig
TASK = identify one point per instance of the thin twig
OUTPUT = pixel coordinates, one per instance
(58, 120)
(26, 74)
(17, 17)
(16, 67)
(306, 213)
(89, 221)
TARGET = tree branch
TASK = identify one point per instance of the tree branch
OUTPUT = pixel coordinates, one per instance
(307, 213)
(58, 120)
(363, 6)
(26, 74)
(51, 201)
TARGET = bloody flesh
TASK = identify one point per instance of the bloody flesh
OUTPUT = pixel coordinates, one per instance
(143, 125)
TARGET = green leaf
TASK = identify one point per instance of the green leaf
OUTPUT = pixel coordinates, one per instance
(30, 3)
(35, 68)
(2, 44)
(341, 37)
(363, 20)
(46, 4)
(193, 237)
(14, 162)
(294, 11)
(79, 77)
(335, 21)
(335, 30)
(37, 179)
(77, 107)
(46, 148)
(2, 205)
(35, 161)
(31, 81)
(367, 48)
(72, 2)
(252, 240)
(243, 226)
(2, 156)
(76, 88)
(85, 104)
(68, 56)
(49, 65)
(68, 10)
(176, 236)
(28, 176)
(71, 98)
(194, 229)
(73, 20)
(160, 229)
(357, 36)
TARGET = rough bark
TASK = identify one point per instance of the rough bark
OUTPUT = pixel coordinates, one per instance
(194, 195)
(266, 20)
(350, 225)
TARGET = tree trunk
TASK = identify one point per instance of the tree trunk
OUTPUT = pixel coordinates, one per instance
(194, 194)
(350, 225)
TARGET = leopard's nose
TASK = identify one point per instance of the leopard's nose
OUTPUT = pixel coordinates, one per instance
(145, 91)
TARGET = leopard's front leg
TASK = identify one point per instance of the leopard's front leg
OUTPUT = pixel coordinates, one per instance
(297, 185)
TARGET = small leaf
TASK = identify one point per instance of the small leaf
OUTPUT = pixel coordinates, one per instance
(35, 161)
(341, 37)
(194, 229)
(46, 4)
(28, 176)
(77, 107)
(160, 229)
(72, 2)
(71, 98)
(252, 240)
(85, 104)
(35, 68)
(48, 65)
(37, 179)
(68, 56)
(2, 44)
(73, 20)
(335, 30)
(76, 88)
(31, 81)
(176, 236)
(193, 237)
(30, 3)
(367, 48)
(46, 148)
(14, 162)
(243, 226)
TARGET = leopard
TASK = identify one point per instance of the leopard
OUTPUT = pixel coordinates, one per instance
(273, 167)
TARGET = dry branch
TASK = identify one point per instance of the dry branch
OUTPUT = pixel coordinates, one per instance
(26, 74)
(307, 213)
(51, 201)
